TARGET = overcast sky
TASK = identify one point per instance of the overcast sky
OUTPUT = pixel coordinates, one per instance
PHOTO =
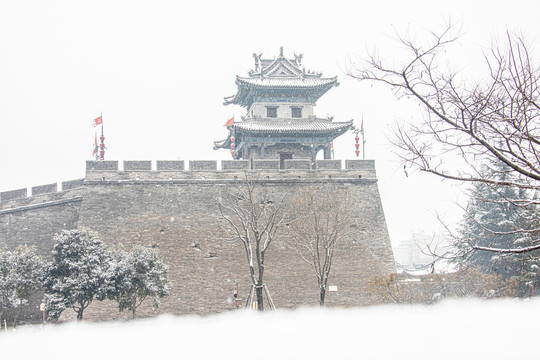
(158, 71)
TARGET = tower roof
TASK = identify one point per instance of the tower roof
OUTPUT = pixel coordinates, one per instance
(305, 128)
(279, 74)
(318, 126)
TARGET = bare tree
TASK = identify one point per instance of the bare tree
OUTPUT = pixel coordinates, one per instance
(467, 124)
(320, 221)
(249, 213)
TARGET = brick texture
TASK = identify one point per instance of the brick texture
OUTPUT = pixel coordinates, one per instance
(176, 212)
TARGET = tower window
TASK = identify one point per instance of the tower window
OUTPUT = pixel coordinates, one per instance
(296, 112)
(271, 111)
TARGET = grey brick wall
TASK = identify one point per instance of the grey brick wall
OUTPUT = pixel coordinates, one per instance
(72, 184)
(172, 165)
(13, 194)
(265, 164)
(131, 165)
(328, 164)
(201, 165)
(176, 212)
(179, 218)
(35, 225)
(298, 164)
(359, 164)
(44, 189)
(92, 165)
(235, 165)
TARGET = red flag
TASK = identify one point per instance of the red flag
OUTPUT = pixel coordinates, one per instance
(230, 122)
(362, 125)
(97, 121)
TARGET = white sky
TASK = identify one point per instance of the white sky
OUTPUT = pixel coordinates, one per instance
(158, 71)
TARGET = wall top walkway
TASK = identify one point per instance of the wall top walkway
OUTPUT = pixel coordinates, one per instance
(201, 170)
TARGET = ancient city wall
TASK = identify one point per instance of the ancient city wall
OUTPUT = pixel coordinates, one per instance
(35, 219)
(175, 210)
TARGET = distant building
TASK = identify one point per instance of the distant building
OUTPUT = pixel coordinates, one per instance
(414, 256)
(412, 252)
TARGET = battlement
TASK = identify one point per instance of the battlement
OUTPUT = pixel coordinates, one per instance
(227, 165)
(204, 169)
(40, 194)
(198, 170)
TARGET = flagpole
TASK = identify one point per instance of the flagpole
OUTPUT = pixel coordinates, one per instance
(363, 140)
(363, 146)
(102, 138)
(96, 150)
(356, 131)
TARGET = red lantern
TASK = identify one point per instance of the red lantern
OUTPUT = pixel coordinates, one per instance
(232, 153)
(232, 138)
(356, 139)
(232, 146)
(357, 145)
(357, 152)
(331, 145)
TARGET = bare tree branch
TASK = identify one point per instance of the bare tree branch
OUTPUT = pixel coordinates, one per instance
(252, 215)
(467, 124)
(319, 224)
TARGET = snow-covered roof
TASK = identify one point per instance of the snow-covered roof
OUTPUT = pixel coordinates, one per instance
(293, 126)
(279, 73)
(287, 82)
(299, 127)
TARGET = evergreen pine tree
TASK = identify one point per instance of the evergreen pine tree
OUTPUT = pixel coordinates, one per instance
(78, 274)
(501, 217)
(136, 275)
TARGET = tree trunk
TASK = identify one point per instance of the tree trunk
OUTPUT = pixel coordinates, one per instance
(133, 306)
(322, 295)
(259, 292)
(16, 316)
(80, 315)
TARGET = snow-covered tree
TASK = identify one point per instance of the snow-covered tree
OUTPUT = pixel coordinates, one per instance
(320, 221)
(20, 276)
(78, 274)
(136, 275)
(251, 214)
(501, 217)
(468, 122)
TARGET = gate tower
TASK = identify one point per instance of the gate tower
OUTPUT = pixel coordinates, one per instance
(279, 95)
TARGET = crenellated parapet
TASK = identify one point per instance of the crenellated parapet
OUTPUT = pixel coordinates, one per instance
(195, 169)
(41, 194)
(212, 169)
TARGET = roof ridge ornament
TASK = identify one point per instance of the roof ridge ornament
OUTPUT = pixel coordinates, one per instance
(257, 61)
(281, 51)
(298, 59)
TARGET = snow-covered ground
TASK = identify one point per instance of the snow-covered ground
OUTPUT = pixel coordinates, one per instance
(497, 329)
